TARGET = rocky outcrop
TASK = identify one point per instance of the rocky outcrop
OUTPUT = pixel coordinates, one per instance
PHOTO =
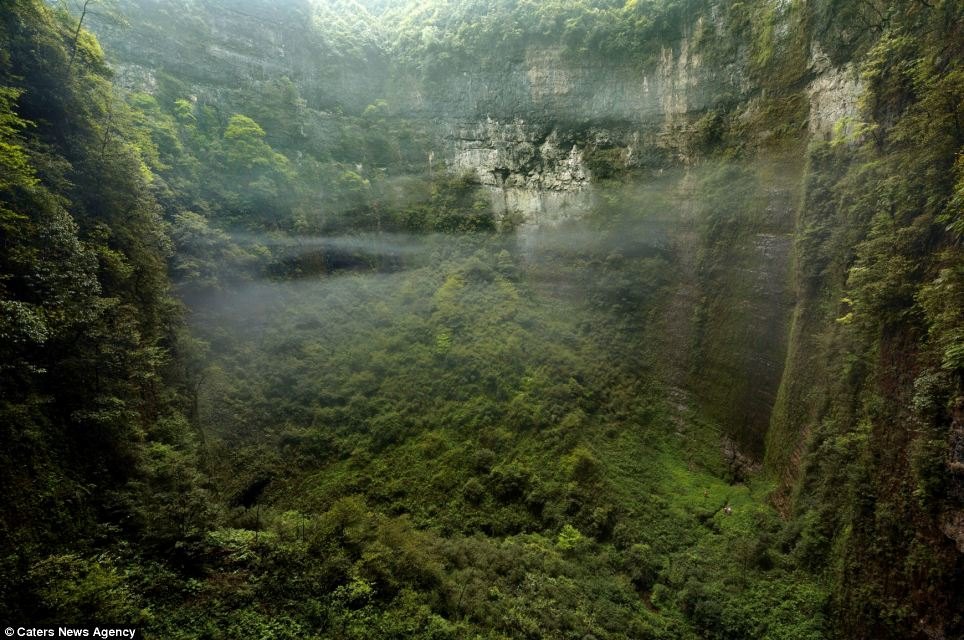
(526, 172)
(524, 130)
(834, 94)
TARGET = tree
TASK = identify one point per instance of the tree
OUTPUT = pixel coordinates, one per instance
(263, 176)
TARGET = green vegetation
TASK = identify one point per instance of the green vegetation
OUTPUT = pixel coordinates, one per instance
(891, 318)
(88, 320)
(270, 368)
(434, 36)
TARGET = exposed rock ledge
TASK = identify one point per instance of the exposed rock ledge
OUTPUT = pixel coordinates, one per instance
(540, 177)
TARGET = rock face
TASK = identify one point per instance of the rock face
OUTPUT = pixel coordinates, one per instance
(523, 128)
(218, 46)
(549, 84)
(524, 169)
(833, 94)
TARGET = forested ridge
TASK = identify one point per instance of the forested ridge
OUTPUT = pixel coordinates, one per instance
(384, 319)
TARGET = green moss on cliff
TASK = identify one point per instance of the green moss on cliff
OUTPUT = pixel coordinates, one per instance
(868, 346)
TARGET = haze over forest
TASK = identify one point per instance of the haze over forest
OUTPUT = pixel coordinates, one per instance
(483, 319)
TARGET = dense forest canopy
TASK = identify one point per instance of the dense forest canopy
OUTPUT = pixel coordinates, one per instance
(483, 319)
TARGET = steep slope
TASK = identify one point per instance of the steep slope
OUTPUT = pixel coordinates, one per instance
(94, 442)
